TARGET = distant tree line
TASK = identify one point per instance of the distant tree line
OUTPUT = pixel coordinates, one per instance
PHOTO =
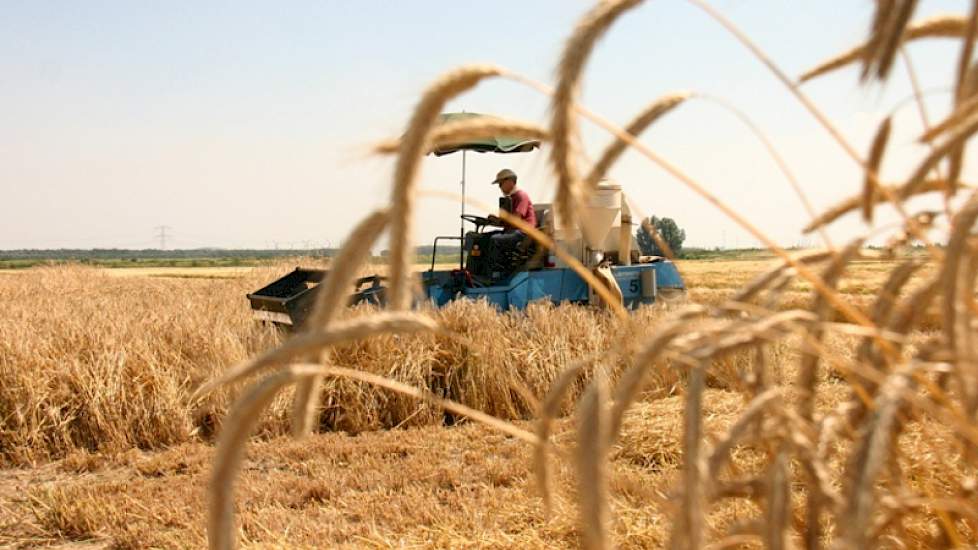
(427, 249)
(79, 254)
(155, 253)
(668, 230)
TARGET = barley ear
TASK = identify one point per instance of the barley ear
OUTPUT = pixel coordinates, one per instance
(882, 309)
(475, 128)
(887, 37)
(822, 308)
(721, 451)
(549, 410)
(643, 120)
(853, 203)
(872, 170)
(230, 452)
(632, 381)
(961, 114)
(957, 138)
(331, 296)
(961, 226)
(962, 93)
(414, 145)
(334, 291)
(944, 26)
(778, 510)
(764, 280)
(563, 125)
(688, 530)
(591, 457)
(870, 454)
(303, 345)
(963, 86)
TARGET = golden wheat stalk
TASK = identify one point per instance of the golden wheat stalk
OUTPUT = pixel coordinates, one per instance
(869, 456)
(462, 131)
(549, 409)
(591, 456)
(963, 91)
(775, 155)
(965, 350)
(873, 169)
(942, 26)
(244, 416)
(881, 312)
(826, 124)
(631, 382)
(542, 239)
(759, 377)
(721, 450)
(230, 451)
(333, 294)
(653, 112)
(764, 280)
(689, 529)
(887, 296)
(967, 50)
(813, 456)
(821, 308)
(821, 495)
(563, 124)
(414, 144)
(955, 306)
(962, 113)
(304, 344)
(855, 202)
(908, 313)
(778, 504)
(892, 17)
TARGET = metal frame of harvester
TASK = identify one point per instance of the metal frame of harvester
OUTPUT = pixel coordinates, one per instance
(510, 277)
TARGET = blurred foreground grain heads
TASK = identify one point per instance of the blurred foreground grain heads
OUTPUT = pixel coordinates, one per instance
(821, 477)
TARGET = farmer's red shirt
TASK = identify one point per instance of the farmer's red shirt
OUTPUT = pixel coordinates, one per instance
(522, 207)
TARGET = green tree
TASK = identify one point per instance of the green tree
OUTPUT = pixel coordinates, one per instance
(668, 230)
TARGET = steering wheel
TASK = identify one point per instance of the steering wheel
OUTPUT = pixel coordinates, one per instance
(477, 220)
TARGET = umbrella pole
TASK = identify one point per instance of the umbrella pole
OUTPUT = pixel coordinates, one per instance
(461, 222)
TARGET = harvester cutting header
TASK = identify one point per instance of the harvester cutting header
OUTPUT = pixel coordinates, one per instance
(503, 265)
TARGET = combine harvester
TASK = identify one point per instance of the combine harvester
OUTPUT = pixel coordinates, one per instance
(507, 273)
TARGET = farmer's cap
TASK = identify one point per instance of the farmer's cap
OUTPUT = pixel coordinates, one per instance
(503, 174)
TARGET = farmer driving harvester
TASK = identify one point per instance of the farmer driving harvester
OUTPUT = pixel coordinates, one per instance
(521, 204)
(517, 203)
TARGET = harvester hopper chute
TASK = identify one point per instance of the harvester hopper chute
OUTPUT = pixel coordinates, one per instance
(289, 300)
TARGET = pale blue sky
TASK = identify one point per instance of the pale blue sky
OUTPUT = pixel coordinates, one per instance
(246, 123)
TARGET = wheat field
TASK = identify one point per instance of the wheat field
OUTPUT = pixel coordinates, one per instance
(85, 439)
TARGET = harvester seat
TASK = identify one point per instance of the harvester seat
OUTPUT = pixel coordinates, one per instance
(544, 221)
(535, 256)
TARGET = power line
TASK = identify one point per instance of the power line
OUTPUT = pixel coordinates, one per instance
(161, 235)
